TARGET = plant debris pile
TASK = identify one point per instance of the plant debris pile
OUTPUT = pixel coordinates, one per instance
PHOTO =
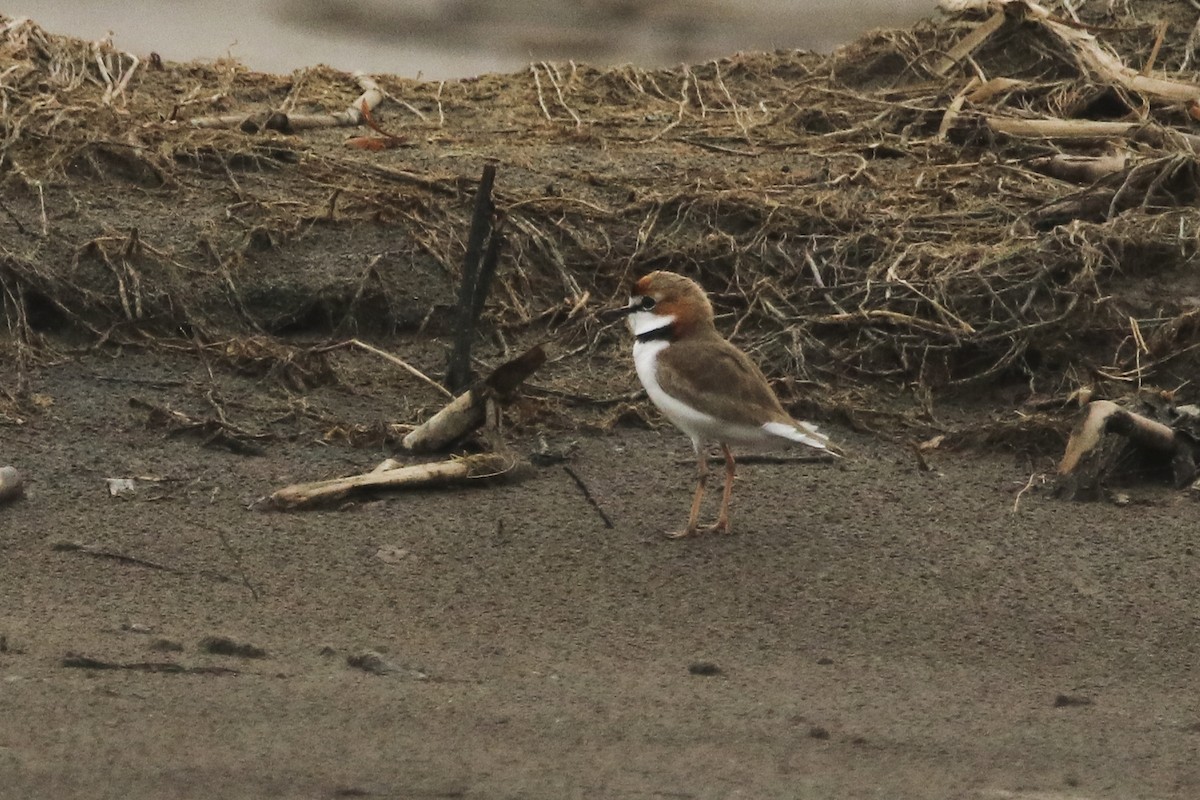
(1001, 195)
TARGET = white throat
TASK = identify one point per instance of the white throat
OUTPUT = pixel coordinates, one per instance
(642, 322)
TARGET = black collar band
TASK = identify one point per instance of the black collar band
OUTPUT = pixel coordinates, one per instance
(665, 333)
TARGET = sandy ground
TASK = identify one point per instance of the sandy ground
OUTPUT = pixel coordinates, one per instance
(871, 631)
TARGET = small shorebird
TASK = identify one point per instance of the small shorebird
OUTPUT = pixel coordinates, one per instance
(704, 385)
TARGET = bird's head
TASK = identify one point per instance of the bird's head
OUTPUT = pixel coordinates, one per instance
(667, 303)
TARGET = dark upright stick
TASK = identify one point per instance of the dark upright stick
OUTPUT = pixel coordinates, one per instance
(487, 269)
(458, 374)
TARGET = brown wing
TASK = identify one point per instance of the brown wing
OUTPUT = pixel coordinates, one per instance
(715, 377)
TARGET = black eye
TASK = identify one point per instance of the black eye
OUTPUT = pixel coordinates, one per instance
(647, 303)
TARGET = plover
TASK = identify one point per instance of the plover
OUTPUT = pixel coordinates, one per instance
(704, 385)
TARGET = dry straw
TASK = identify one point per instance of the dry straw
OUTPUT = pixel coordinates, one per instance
(979, 198)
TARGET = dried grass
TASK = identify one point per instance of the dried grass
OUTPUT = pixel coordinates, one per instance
(854, 216)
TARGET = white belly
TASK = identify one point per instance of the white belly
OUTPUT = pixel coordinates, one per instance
(699, 426)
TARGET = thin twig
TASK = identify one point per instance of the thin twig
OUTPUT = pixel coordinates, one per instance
(733, 104)
(237, 562)
(1028, 485)
(687, 72)
(399, 362)
(1160, 33)
(537, 81)
(558, 91)
(112, 555)
(587, 495)
(764, 458)
(410, 107)
(683, 101)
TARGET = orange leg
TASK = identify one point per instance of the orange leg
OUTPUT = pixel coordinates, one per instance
(722, 523)
(701, 481)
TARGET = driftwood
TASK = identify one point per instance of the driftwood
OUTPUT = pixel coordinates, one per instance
(990, 88)
(1080, 169)
(1106, 66)
(1088, 130)
(1171, 181)
(468, 468)
(460, 417)
(1091, 455)
(352, 117)
(470, 409)
(1105, 69)
(12, 486)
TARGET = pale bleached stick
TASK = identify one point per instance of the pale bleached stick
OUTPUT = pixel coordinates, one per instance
(558, 91)
(971, 42)
(1056, 128)
(1087, 434)
(1028, 485)
(537, 82)
(470, 409)
(1086, 129)
(1108, 66)
(484, 465)
(992, 87)
(1080, 169)
(457, 418)
(386, 465)
(1103, 415)
(371, 97)
(954, 109)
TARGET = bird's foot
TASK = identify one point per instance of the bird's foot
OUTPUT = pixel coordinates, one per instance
(692, 531)
(720, 526)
